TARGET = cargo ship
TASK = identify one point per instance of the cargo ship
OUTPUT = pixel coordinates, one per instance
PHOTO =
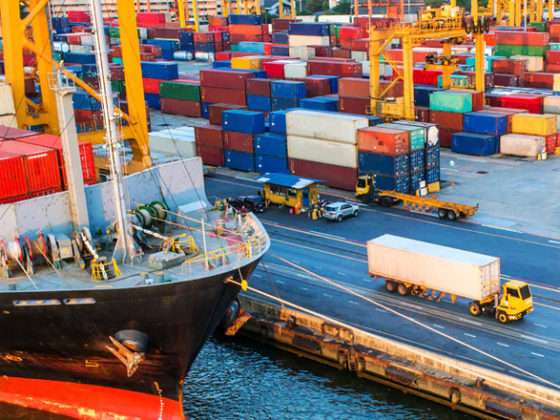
(109, 291)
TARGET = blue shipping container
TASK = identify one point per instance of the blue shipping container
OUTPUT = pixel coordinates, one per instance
(244, 19)
(485, 123)
(475, 144)
(384, 164)
(305, 28)
(422, 94)
(277, 120)
(280, 37)
(221, 64)
(432, 158)
(259, 103)
(79, 58)
(417, 161)
(287, 89)
(279, 50)
(415, 179)
(280, 103)
(271, 144)
(265, 163)
(160, 70)
(204, 47)
(251, 47)
(153, 100)
(239, 160)
(432, 175)
(391, 183)
(204, 108)
(185, 40)
(333, 80)
(320, 103)
(243, 121)
(83, 100)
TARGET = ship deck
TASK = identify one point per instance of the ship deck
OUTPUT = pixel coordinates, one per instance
(238, 240)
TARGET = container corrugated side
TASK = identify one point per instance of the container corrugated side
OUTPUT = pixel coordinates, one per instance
(449, 270)
(13, 185)
(7, 106)
(306, 40)
(321, 125)
(522, 145)
(536, 124)
(323, 151)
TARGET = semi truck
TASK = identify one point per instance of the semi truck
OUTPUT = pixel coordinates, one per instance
(415, 267)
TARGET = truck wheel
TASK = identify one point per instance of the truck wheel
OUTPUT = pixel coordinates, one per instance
(402, 289)
(451, 215)
(387, 202)
(390, 286)
(502, 317)
(442, 213)
(474, 309)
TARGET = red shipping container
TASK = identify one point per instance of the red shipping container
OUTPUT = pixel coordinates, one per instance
(245, 30)
(217, 21)
(209, 135)
(152, 49)
(281, 25)
(352, 32)
(341, 53)
(522, 38)
(116, 72)
(260, 87)
(151, 85)
(238, 141)
(451, 120)
(345, 44)
(315, 86)
(386, 141)
(501, 79)
(445, 136)
(538, 80)
(551, 143)
(335, 176)
(42, 170)
(353, 105)
(225, 96)
(215, 112)
(168, 33)
(237, 38)
(554, 33)
(223, 55)
(334, 68)
(490, 39)
(210, 155)
(229, 79)
(13, 185)
(552, 68)
(274, 69)
(150, 17)
(422, 113)
(9, 133)
(553, 56)
(509, 66)
(353, 87)
(54, 142)
(78, 16)
(360, 44)
(331, 59)
(322, 50)
(203, 37)
(532, 103)
(180, 107)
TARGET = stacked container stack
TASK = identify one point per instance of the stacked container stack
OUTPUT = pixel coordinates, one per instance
(258, 94)
(353, 95)
(481, 135)
(224, 86)
(324, 146)
(210, 144)
(542, 125)
(152, 74)
(508, 72)
(301, 35)
(340, 67)
(180, 98)
(512, 43)
(271, 154)
(240, 127)
(246, 28)
(384, 153)
(286, 94)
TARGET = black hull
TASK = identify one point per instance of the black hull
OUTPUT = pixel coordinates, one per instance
(68, 343)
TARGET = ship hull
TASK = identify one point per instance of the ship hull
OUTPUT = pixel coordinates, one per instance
(68, 344)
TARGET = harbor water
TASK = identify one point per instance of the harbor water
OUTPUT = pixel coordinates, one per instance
(240, 379)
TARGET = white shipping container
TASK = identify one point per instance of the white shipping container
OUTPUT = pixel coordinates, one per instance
(295, 70)
(533, 63)
(8, 121)
(323, 151)
(303, 53)
(7, 106)
(325, 125)
(449, 270)
(82, 49)
(305, 40)
(176, 142)
(59, 46)
(359, 55)
(522, 145)
(551, 105)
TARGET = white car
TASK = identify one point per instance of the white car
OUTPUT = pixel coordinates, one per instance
(339, 210)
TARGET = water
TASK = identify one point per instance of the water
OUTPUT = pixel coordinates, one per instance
(241, 379)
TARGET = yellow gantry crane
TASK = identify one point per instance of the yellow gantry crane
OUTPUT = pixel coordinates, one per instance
(32, 33)
(446, 23)
(511, 12)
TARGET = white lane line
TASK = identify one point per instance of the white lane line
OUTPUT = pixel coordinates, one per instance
(380, 310)
(540, 325)
(441, 327)
(257, 275)
(505, 275)
(279, 281)
(470, 321)
(537, 354)
(470, 335)
(303, 276)
(327, 295)
(353, 303)
(553, 242)
(304, 288)
(341, 273)
(326, 234)
(502, 344)
(367, 279)
(534, 339)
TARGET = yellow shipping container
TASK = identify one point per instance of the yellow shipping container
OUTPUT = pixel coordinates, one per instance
(246, 63)
(536, 124)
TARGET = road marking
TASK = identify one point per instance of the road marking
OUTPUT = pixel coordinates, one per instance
(380, 310)
(303, 276)
(353, 303)
(304, 288)
(256, 275)
(327, 295)
(553, 242)
(470, 321)
(279, 281)
(326, 234)
(537, 354)
(342, 274)
(367, 279)
(540, 325)
(556, 308)
(534, 339)
(502, 344)
(470, 335)
(505, 275)
(441, 327)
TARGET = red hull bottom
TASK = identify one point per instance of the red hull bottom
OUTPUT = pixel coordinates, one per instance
(79, 401)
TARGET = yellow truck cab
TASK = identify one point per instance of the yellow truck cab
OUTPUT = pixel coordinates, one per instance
(515, 302)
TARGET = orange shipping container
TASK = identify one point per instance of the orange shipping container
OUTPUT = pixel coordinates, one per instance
(386, 141)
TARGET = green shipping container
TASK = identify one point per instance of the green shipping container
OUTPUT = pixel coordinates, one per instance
(118, 86)
(554, 45)
(451, 101)
(541, 27)
(114, 32)
(117, 60)
(416, 138)
(180, 90)
(234, 47)
(509, 50)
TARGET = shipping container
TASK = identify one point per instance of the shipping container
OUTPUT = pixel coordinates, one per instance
(536, 124)
(322, 125)
(259, 103)
(281, 103)
(319, 150)
(399, 184)
(354, 105)
(449, 270)
(450, 101)
(215, 112)
(415, 135)
(485, 123)
(224, 78)
(334, 176)
(11, 133)
(209, 135)
(447, 120)
(13, 183)
(260, 87)
(179, 107)
(223, 95)
(241, 142)
(210, 155)
(265, 163)
(391, 165)
(240, 161)
(160, 70)
(475, 144)
(353, 87)
(522, 145)
(287, 89)
(320, 104)
(271, 144)
(431, 131)
(382, 140)
(180, 90)
(243, 121)
(277, 121)
(529, 102)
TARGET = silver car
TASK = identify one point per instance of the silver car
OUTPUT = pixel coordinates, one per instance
(339, 210)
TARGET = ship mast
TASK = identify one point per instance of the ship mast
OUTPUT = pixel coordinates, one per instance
(125, 248)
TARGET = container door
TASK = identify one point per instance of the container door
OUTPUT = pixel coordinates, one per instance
(305, 197)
